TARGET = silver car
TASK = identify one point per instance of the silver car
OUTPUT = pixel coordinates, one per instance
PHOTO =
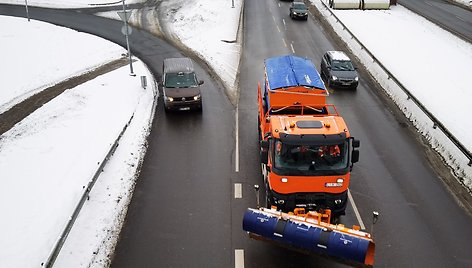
(338, 70)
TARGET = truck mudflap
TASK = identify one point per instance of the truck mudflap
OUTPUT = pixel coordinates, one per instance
(311, 232)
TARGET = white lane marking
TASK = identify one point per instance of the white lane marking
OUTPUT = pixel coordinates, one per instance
(238, 190)
(285, 25)
(358, 216)
(239, 258)
(460, 18)
(293, 49)
(278, 29)
(236, 149)
(285, 43)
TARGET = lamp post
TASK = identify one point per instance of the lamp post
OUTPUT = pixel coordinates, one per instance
(27, 13)
(126, 33)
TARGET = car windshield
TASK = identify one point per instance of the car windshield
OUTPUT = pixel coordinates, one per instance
(310, 159)
(180, 80)
(342, 65)
(299, 6)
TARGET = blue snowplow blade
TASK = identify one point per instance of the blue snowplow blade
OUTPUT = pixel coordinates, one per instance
(320, 238)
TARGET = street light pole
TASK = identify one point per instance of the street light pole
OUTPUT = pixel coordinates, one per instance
(27, 13)
(127, 40)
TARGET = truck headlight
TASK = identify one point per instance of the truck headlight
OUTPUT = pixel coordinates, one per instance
(170, 99)
(356, 79)
(334, 78)
(339, 183)
(197, 97)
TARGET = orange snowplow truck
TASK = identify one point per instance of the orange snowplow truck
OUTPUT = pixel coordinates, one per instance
(307, 152)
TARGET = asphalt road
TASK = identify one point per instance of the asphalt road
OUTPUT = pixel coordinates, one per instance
(184, 213)
(451, 17)
(421, 223)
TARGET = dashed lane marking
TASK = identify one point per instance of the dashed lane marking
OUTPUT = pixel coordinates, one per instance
(239, 258)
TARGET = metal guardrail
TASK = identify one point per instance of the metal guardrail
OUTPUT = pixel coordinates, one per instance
(60, 242)
(436, 122)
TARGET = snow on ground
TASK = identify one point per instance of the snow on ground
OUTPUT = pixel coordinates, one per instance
(424, 68)
(48, 158)
(39, 158)
(209, 28)
(30, 41)
(69, 3)
(433, 64)
(467, 3)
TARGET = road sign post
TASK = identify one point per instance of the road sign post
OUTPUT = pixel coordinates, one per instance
(126, 30)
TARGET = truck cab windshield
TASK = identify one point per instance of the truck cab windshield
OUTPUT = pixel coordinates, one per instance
(313, 159)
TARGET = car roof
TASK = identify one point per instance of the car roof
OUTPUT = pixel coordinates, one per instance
(176, 65)
(338, 55)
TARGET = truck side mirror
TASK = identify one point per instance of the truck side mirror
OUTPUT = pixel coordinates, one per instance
(200, 82)
(265, 145)
(355, 156)
(264, 151)
(356, 143)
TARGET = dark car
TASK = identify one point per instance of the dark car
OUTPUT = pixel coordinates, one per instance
(180, 85)
(338, 70)
(298, 10)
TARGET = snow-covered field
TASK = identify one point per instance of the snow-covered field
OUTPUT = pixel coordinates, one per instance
(48, 158)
